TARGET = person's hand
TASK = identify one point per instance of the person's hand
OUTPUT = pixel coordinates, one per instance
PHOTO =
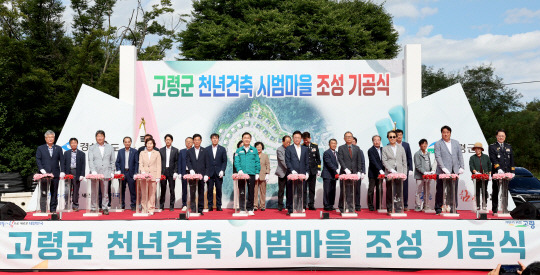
(205, 178)
(362, 176)
(43, 171)
(81, 178)
(337, 171)
(496, 270)
(381, 172)
(174, 176)
(460, 171)
(347, 171)
(117, 172)
(522, 267)
(158, 180)
(94, 173)
(62, 174)
(220, 174)
(478, 173)
(393, 171)
(191, 172)
(294, 172)
(257, 177)
(112, 175)
(318, 173)
(426, 173)
(500, 171)
(240, 172)
(446, 171)
(359, 175)
(307, 176)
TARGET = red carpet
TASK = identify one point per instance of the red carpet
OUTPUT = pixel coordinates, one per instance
(226, 214)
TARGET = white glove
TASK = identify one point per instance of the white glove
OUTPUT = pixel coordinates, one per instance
(257, 177)
(117, 172)
(43, 171)
(337, 171)
(205, 178)
(62, 174)
(478, 173)
(426, 173)
(81, 178)
(359, 175)
(460, 171)
(347, 171)
(94, 173)
(294, 172)
(432, 172)
(112, 175)
(393, 171)
(411, 173)
(363, 176)
(307, 176)
(318, 173)
(220, 174)
(158, 180)
(381, 172)
(240, 172)
(191, 172)
(174, 176)
(500, 171)
(446, 171)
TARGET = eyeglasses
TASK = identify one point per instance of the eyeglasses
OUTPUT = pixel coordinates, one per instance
(392, 137)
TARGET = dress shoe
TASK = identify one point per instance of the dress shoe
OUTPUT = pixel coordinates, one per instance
(289, 213)
(372, 209)
(171, 209)
(263, 209)
(76, 208)
(210, 209)
(406, 209)
(219, 209)
(312, 208)
(133, 208)
(279, 208)
(106, 212)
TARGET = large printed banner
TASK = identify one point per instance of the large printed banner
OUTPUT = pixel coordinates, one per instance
(434, 244)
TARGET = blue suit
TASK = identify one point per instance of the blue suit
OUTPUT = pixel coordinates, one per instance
(80, 167)
(133, 168)
(51, 164)
(197, 164)
(213, 166)
(182, 155)
(330, 165)
(300, 166)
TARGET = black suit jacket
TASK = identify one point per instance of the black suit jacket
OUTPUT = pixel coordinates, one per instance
(375, 162)
(50, 164)
(219, 163)
(314, 158)
(173, 160)
(408, 153)
(80, 163)
(501, 159)
(330, 165)
(293, 163)
(196, 164)
(355, 164)
(182, 158)
(133, 161)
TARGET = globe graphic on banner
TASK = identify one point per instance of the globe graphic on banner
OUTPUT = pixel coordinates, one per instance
(267, 120)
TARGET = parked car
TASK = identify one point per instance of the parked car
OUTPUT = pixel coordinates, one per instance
(524, 187)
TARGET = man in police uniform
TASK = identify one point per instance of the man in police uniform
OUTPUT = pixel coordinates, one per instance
(314, 170)
(502, 159)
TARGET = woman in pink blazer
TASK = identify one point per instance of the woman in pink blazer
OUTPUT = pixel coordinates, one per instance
(150, 163)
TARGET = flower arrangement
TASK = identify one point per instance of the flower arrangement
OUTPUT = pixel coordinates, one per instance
(68, 177)
(119, 176)
(381, 176)
(240, 176)
(505, 176)
(95, 176)
(162, 177)
(296, 177)
(430, 177)
(40, 176)
(349, 177)
(193, 177)
(142, 176)
(393, 176)
(480, 176)
(448, 176)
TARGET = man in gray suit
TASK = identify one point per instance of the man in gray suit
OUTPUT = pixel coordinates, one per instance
(281, 170)
(101, 161)
(352, 161)
(449, 161)
(394, 159)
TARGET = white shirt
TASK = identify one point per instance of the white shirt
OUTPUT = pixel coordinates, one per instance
(298, 150)
(246, 148)
(127, 159)
(214, 150)
(394, 148)
(449, 146)
(102, 149)
(379, 151)
(150, 154)
(197, 153)
(168, 156)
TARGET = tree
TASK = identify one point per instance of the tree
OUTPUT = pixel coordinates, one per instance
(288, 30)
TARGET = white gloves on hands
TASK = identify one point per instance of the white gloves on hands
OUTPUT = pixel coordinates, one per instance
(347, 171)
(460, 171)
(43, 171)
(205, 178)
(500, 171)
(294, 172)
(62, 174)
(94, 173)
(191, 172)
(426, 173)
(307, 176)
(240, 172)
(117, 172)
(381, 172)
(257, 177)
(446, 171)
(318, 173)
(220, 174)
(81, 178)
(393, 171)
(174, 176)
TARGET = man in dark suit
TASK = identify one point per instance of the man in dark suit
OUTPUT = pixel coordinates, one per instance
(375, 169)
(127, 163)
(216, 163)
(74, 162)
(196, 163)
(329, 172)
(408, 153)
(297, 161)
(169, 168)
(351, 159)
(501, 155)
(314, 170)
(49, 158)
(183, 170)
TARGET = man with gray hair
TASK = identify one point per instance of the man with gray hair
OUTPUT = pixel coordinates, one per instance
(49, 156)
(101, 161)
(375, 169)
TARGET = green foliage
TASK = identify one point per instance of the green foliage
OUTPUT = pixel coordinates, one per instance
(288, 30)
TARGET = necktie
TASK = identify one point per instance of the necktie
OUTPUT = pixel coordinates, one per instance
(335, 156)
(350, 151)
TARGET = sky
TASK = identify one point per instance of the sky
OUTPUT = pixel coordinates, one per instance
(454, 34)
